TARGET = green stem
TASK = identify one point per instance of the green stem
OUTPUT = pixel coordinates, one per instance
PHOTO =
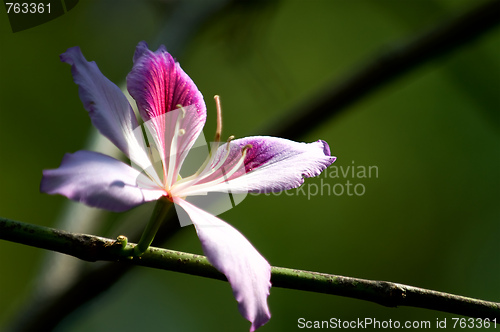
(160, 211)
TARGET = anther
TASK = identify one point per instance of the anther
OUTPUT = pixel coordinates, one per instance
(233, 168)
(179, 106)
(246, 148)
(181, 132)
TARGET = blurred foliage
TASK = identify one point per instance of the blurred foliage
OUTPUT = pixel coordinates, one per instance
(430, 218)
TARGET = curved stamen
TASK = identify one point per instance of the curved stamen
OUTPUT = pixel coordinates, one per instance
(173, 148)
(218, 131)
(224, 178)
(222, 160)
(153, 173)
(213, 148)
(204, 172)
(179, 106)
(245, 148)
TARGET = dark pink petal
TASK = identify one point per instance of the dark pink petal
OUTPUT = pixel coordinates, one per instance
(271, 165)
(158, 83)
(230, 252)
(99, 181)
(108, 107)
(159, 86)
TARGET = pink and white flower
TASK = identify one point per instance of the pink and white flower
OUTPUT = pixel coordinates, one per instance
(174, 114)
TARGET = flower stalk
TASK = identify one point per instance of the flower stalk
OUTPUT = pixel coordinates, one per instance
(160, 212)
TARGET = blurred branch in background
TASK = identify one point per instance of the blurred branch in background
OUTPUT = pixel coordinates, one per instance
(93, 248)
(381, 69)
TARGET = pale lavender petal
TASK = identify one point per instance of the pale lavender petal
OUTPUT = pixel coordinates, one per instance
(230, 252)
(108, 107)
(271, 165)
(159, 86)
(99, 181)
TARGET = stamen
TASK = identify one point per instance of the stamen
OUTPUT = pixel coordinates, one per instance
(173, 149)
(221, 161)
(245, 148)
(202, 172)
(179, 106)
(223, 178)
(214, 147)
(151, 172)
(218, 131)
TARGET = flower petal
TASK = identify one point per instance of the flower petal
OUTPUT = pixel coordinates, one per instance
(230, 252)
(99, 181)
(108, 107)
(158, 83)
(159, 86)
(271, 165)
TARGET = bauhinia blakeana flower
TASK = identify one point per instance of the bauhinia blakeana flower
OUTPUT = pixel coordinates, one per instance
(174, 114)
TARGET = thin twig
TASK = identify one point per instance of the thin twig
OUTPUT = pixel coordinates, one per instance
(94, 248)
(394, 62)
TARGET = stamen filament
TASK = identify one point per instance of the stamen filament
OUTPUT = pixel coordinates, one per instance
(173, 148)
(153, 174)
(214, 147)
(179, 106)
(203, 173)
(218, 131)
(199, 188)
(150, 171)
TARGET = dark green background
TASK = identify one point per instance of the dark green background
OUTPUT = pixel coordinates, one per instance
(431, 219)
